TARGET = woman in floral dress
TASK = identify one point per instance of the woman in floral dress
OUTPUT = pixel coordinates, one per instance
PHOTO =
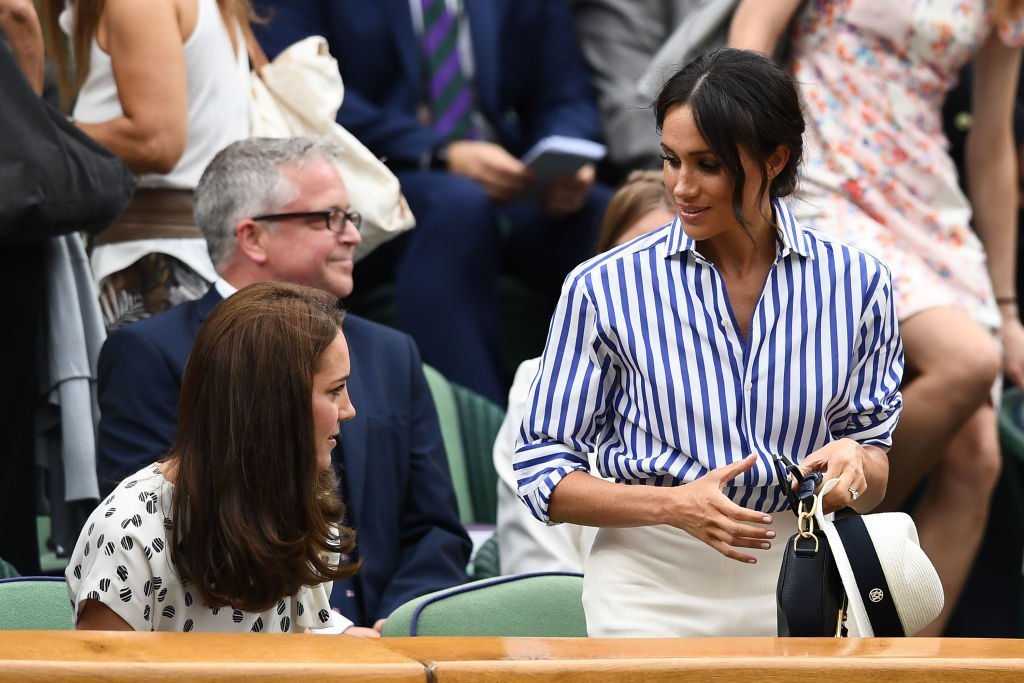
(874, 75)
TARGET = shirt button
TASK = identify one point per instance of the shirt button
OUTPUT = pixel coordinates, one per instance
(748, 385)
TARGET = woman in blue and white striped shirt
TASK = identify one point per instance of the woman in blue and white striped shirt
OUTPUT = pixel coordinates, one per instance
(688, 357)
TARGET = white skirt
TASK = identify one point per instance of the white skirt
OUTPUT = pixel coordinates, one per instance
(661, 582)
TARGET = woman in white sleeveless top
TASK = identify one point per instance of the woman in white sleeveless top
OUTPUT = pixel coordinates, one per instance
(165, 85)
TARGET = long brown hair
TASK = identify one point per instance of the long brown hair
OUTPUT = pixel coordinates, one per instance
(641, 192)
(86, 16)
(252, 515)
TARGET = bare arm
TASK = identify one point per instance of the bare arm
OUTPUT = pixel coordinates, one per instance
(991, 177)
(19, 21)
(758, 24)
(699, 508)
(95, 616)
(144, 42)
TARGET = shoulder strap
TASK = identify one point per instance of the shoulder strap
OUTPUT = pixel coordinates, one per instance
(257, 57)
(871, 583)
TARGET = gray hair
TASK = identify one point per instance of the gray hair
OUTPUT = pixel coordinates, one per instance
(244, 180)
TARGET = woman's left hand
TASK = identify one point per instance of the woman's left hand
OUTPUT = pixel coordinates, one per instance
(856, 468)
(1013, 346)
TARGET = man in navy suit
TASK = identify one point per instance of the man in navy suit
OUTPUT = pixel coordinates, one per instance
(526, 80)
(278, 210)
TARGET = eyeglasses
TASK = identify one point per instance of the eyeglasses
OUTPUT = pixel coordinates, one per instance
(334, 219)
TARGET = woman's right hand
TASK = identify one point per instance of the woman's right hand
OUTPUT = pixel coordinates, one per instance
(503, 176)
(703, 511)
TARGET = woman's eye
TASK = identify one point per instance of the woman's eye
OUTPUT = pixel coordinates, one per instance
(336, 392)
(710, 166)
(671, 161)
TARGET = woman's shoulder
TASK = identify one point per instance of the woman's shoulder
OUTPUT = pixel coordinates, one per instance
(624, 254)
(141, 501)
(840, 254)
(828, 251)
(150, 479)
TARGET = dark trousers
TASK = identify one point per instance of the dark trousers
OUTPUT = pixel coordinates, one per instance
(990, 605)
(22, 311)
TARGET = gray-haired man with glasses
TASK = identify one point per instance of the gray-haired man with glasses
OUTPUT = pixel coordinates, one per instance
(277, 209)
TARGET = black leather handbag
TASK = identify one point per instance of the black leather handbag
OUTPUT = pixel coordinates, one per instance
(810, 593)
(55, 179)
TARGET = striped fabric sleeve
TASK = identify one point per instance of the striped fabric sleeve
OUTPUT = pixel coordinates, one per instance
(565, 409)
(874, 401)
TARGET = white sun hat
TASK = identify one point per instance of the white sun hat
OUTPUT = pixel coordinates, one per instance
(892, 587)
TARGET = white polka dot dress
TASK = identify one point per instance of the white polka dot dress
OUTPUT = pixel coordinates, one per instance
(122, 560)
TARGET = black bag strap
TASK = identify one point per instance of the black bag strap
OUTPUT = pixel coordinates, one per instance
(871, 583)
(806, 484)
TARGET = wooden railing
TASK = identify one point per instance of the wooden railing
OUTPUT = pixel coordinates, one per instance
(70, 655)
(190, 657)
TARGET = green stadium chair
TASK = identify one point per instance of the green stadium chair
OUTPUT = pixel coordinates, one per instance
(469, 424)
(451, 434)
(479, 422)
(35, 603)
(542, 605)
(487, 561)
(7, 570)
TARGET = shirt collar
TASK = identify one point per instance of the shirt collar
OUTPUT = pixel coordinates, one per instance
(792, 235)
(224, 288)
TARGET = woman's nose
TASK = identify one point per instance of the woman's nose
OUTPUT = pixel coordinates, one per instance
(684, 187)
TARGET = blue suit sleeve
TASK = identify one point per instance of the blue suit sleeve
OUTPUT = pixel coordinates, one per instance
(564, 100)
(435, 547)
(137, 390)
(389, 132)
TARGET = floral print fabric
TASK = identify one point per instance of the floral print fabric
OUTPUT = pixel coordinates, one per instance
(874, 75)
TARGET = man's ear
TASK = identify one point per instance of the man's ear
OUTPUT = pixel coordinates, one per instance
(252, 240)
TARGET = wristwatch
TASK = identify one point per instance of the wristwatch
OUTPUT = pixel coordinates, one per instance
(439, 157)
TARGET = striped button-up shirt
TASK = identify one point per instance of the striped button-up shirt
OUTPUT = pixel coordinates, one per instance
(645, 365)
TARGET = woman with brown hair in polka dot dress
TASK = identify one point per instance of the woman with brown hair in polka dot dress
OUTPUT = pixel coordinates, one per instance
(237, 528)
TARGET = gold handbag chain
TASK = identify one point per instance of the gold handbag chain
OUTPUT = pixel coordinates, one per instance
(805, 522)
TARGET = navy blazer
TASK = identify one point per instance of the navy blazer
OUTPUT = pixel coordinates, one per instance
(529, 75)
(395, 479)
